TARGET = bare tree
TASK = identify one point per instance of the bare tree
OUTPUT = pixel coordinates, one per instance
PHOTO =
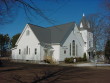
(106, 9)
(98, 26)
(100, 23)
(10, 8)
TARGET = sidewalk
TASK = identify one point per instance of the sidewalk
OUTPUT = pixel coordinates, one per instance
(90, 64)
(86, 64)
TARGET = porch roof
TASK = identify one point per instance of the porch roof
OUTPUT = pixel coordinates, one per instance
(91, 49)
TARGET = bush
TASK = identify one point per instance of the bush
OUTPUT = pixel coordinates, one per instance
(78, 59)
(50, 61)
(107, 51)
(47, 61)
(69, 60)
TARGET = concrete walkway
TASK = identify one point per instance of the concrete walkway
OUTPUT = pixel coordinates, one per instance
(84, 64)
(90, 64)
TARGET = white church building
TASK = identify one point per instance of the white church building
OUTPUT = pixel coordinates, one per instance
(59, 42)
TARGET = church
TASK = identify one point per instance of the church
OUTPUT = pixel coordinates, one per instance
(58, 42)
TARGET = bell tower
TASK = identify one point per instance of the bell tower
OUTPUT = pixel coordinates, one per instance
(87, 35)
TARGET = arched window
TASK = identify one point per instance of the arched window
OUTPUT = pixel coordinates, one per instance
(89, 43)
(27, 49)
(76, 50)
(19, 51)
(35, 51)
(64, 51)
(73, 47)
(27, 32)
(70, 49)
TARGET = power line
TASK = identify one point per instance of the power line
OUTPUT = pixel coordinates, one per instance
(56, 11)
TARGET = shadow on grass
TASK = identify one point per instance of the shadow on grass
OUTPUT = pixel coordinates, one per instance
(1, 64)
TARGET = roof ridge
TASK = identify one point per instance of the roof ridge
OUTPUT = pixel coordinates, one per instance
(60, 24)
(37, 26)
(52, 35)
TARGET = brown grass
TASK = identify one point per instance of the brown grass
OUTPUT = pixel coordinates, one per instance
(35, 73)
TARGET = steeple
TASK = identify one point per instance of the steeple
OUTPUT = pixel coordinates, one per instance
(83, 14)
(84, 24)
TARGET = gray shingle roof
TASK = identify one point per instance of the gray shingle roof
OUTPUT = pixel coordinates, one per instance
(43, 34)
(55, 34)
(60, 32)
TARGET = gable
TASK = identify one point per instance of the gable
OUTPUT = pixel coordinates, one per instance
(77, 35)
(26, 35)
(43, 34)
(60, 33)
(50, 35)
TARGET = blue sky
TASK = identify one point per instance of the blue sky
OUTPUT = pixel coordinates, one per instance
(59, 12)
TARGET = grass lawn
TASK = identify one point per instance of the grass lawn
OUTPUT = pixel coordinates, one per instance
(36, 73)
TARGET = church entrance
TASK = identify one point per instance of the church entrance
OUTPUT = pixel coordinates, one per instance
(48, 53)
(91, 56)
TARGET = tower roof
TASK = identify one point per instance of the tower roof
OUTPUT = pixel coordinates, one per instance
(84, 24)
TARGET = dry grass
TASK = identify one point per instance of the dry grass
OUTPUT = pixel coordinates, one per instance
(4, 58)
(35, 73)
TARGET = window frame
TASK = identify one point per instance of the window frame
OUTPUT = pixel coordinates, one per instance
(35, 51)
(64, 51)
(27, 50)
(19, 51)
(70, 49)
(27, 33)
(73, 47)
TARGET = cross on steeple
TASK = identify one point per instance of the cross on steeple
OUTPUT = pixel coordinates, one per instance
(83, 14)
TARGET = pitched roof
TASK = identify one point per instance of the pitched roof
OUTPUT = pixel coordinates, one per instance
(60, 32)
(55, 34)
(85, 23)
(43, 34)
